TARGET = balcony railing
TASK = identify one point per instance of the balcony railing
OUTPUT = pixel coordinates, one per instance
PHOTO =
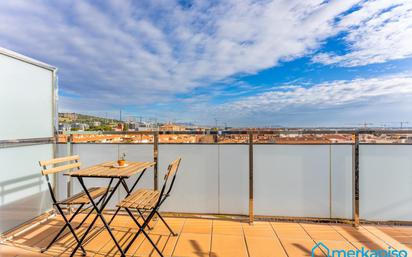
(325, 181)
(322, 181)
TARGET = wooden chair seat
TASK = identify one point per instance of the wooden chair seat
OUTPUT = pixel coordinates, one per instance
(81, 198)
(145, 199)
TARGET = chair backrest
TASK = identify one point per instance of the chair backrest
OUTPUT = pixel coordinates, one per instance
(66, 163)
(171, 173)
(173, 167)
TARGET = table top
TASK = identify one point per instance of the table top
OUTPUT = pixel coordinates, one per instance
(107, 170)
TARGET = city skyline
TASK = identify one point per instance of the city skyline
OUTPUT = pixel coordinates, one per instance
(244, 63)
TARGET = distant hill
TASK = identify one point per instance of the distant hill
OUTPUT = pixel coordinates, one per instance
(66, 117)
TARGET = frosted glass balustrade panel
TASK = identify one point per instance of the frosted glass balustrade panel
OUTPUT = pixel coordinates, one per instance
(23, 190)
(234, 179)
(341, 181)
(385, 182)
(197, 183)
(26, 108)
(292, 180)
(26, 100)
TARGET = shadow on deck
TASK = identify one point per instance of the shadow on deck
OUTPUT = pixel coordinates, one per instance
(214, 238)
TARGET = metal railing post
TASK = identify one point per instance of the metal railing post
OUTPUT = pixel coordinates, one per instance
(215, 138)
(55, 123)
(251, 213)
(355, 179)
(155, 159)
(69, 152)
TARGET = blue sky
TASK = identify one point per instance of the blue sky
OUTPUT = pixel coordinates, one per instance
(245, 63)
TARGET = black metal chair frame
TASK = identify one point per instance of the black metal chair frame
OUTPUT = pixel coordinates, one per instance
(67, 222)
(79, 210)
(155, 210)
(99, 211)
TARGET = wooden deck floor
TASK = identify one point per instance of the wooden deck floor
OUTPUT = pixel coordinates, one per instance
(216, 238)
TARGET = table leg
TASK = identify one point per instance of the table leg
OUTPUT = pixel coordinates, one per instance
(137, 181)
(128, 191)
(90, 212)
(99, 214)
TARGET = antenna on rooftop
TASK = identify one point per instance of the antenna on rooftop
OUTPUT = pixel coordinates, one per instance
(365, 124)
(401, 123)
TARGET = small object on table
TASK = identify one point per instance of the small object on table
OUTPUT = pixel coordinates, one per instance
(116, 165)
(122, 160)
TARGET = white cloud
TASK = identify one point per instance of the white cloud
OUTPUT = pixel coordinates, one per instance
(379, 31)
(359, 97)
(137, 52)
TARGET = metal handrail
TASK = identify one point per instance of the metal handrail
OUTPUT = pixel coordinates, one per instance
(26, 142)
(267, 132)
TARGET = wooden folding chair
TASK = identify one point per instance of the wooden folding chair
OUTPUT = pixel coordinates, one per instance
(145, 200)
(66, 164)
